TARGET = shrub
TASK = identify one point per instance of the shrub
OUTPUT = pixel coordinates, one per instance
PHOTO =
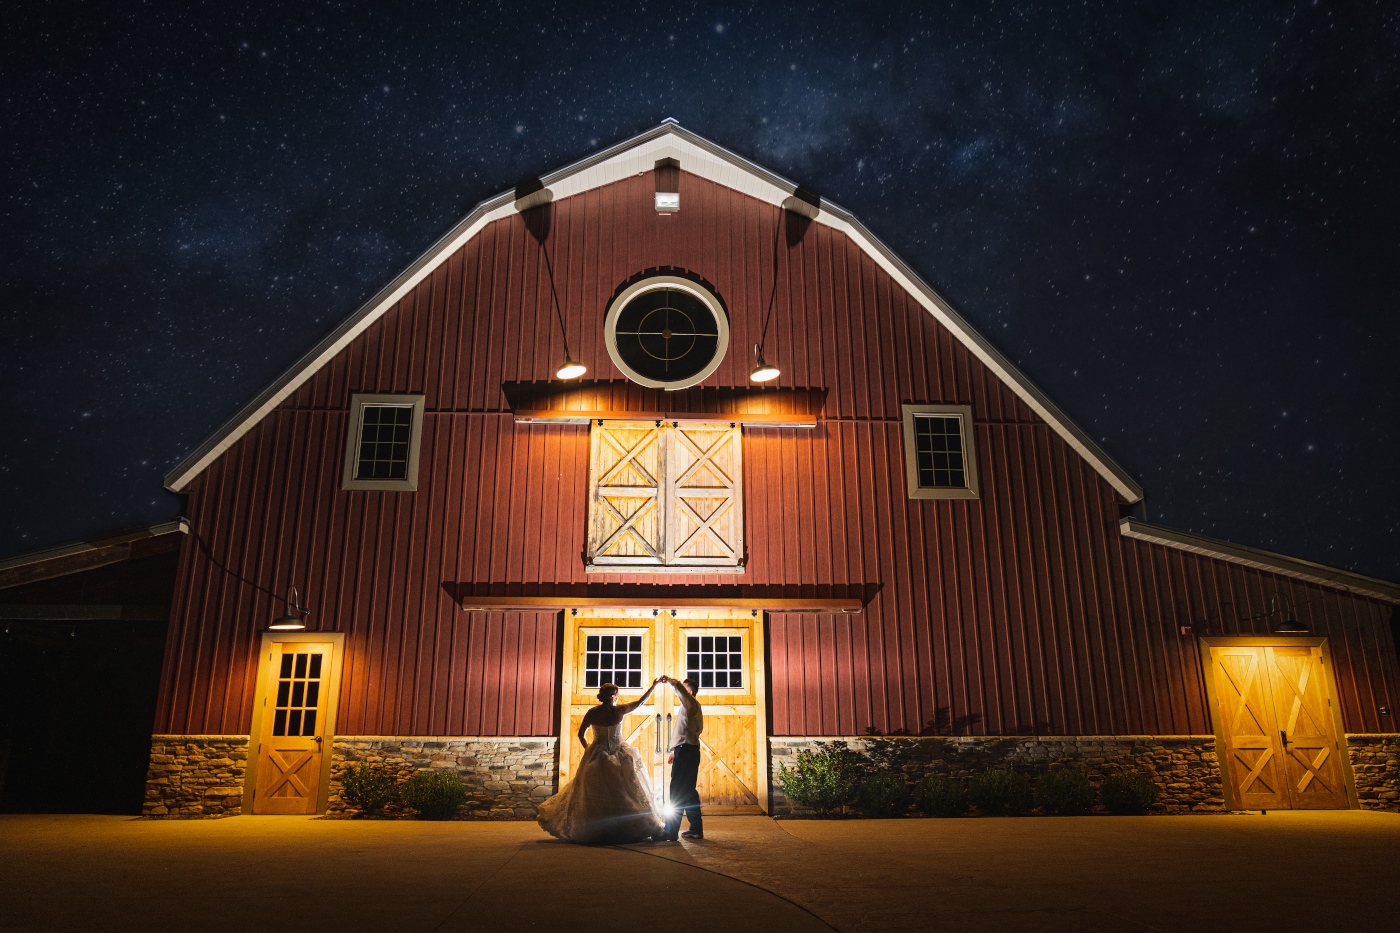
(1128, 792)
(436, 795)
(1001, 793)
(368, 789)
(882, 796)
(940, 795)
(823, 780)
(1063, 792)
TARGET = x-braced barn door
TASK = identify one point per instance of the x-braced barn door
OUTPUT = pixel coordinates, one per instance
(665, 494)
(1280, 735)
(294, 722)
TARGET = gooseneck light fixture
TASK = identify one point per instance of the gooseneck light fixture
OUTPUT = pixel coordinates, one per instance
(570, 369)
(762, 371)
(288, 622)
(1289, 624)
(537, 222)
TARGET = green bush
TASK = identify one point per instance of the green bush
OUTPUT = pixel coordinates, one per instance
(1063, 792)
(1128, 792)
(940, 795)
(368, 789)
(1001, 793)
(823, 780)
(882, 796)
(436, 795)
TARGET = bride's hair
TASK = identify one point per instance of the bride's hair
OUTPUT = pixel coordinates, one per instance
(605, 691)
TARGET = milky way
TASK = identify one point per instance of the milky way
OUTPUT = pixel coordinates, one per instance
(1181, 225)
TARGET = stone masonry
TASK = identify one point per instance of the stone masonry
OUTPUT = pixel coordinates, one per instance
(506, 777)
(1375, 761)
(1184, 767)
(195, 776)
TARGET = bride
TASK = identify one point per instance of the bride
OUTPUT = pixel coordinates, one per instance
(609, 800)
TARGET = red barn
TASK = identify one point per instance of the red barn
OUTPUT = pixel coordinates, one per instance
(788, 467)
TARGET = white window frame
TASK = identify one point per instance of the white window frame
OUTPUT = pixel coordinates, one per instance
(358, 404)
(745, 659)
(971, 488)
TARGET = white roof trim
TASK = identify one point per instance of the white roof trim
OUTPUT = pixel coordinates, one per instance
(1294, 567)
(181, 525)
(700, 157)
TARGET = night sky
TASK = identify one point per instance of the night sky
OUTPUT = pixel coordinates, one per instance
(1179, 220)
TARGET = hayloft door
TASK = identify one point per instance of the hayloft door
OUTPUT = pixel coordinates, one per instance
(723, 649)
(294, 728)
(1279, 732)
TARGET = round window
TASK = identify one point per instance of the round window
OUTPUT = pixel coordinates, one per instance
(666, 332)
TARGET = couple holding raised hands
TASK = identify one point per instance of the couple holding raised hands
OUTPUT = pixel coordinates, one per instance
(610, 799)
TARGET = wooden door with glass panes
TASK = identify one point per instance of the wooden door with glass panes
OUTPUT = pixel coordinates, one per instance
(293, 728)
(723, 649)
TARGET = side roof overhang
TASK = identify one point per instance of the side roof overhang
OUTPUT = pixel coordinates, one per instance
(87, 555)
(1294, 567)
(697, 156)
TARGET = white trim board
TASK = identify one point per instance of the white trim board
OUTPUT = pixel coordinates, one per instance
(639, 154)
(1297, 568)
(180, 525)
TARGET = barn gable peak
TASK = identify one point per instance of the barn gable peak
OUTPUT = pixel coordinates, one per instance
(701, 157)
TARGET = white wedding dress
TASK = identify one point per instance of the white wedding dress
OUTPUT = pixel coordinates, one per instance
(609, 801)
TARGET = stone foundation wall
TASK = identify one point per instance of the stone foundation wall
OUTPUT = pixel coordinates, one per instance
(1375, 762)
(506, 777)
(195, 776)
(1184, 767)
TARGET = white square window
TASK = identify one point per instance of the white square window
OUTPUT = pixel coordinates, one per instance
(381, 447)
(940, 458)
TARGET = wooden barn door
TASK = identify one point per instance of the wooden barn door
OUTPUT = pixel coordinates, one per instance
(1279, 734)
(298, 683)
(619, 651)
(726, 656)
(665, 494)
(599, 647)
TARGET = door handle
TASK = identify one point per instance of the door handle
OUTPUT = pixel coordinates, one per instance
(668, 730)
(658, 733)
(1283, 737)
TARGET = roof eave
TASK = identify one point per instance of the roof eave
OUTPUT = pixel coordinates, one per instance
(1295, 567)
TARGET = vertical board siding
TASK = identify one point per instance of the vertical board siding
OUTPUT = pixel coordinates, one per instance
(1022, 612)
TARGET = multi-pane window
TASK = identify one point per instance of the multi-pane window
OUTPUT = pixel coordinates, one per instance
(381, 446)
(940, 458)
(938, 445)
(298, 694)
(614, 659)
(385, 439)
(715, 661)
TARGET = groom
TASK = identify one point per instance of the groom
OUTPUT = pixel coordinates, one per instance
(685, 761)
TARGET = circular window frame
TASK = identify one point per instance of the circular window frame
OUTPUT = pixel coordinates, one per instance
(650, 284)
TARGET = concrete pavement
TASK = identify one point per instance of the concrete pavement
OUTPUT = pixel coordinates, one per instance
(1284, 871)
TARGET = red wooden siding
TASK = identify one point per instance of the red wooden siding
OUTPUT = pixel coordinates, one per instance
(1022, 611)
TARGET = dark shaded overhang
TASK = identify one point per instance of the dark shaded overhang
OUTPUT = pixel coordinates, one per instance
(840, 599)
(580, 403)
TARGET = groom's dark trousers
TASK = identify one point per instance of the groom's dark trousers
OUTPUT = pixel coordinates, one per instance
(685, 769)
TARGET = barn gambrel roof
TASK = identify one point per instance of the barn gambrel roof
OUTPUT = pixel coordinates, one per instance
(700, 157)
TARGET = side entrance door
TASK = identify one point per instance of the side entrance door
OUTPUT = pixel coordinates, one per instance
(294, 723)
(1278, 729)
(723, 649)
